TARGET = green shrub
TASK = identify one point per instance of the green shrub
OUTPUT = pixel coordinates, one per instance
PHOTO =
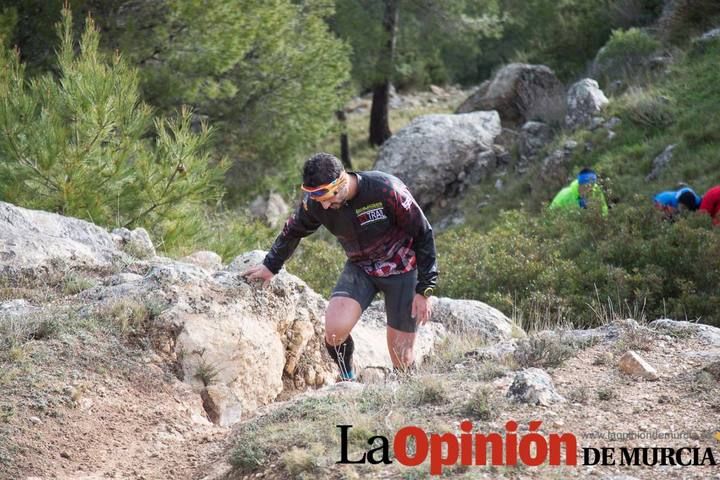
(481, 404)
(625, 54)
(543, 351)
(573, 263)
(81, 142)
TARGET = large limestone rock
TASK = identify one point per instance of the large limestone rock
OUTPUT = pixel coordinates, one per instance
(222, 405)
(434, 154)
(585, 101)
(708, 333)
(471, 317)
(519, 92)
(250, 343)
(242, 336)
(34, 244)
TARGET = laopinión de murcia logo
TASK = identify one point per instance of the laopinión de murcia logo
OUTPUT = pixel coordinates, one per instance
(411, 446)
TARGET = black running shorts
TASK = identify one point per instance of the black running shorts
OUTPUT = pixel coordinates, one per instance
(399, 291)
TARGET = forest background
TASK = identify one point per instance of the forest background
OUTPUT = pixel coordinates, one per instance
(173, 115)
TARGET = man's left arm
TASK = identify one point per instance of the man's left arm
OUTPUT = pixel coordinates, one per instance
(410, 217)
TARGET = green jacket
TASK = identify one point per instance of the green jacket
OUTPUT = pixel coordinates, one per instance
(569, 197)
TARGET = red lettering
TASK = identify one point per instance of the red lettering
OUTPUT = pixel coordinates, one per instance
(466, 443)
(400, 446)
(481, 444)
(570, 448)
(436, 451)
(511, 443)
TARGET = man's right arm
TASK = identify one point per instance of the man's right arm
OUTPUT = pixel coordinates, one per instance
(300, 224)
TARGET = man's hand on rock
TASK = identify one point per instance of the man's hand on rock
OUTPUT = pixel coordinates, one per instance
(421, 309)
(258, 272)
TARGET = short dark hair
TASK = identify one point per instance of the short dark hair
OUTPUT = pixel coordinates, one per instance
(320, 169)
(586, 170)
(688, 199)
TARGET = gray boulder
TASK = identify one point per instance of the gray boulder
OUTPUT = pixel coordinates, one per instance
(535, 387)
(710, 36)
(134, 242)
(534, 136)
(660, 163)
(708, 333)
(518, 92)
(36, 244)
(585, 101)
(471, 317)
(435, 154)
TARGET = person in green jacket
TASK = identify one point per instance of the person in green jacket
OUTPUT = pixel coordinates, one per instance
(583, 191)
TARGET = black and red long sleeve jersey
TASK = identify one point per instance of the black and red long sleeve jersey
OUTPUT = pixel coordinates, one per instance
(382, 229)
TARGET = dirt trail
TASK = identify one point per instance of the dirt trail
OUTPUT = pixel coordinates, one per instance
(75, 410)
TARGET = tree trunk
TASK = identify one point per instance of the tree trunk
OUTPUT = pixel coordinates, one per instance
(344, 146)
(379, 119)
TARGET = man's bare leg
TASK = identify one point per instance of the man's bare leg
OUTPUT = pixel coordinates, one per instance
(401, 347)
(341, 315)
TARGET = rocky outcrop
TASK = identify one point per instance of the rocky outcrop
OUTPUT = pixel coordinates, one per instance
(36, 245)
(534, 136)
(518, 92)
(471, 317)
(435, 155)
(708, 333)
(585, 101)
(222, 330)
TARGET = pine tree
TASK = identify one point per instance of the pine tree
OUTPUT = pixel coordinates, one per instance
(84, 144)
(268, 74)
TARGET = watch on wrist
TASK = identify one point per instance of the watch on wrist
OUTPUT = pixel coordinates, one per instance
(427, 293)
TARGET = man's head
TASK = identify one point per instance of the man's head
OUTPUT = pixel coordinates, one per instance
(586, 180)
(687, 200)
(325, 180)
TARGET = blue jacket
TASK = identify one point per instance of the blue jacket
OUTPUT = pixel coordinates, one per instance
(669, 198)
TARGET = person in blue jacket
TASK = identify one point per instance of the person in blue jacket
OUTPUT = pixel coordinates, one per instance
(673, 201)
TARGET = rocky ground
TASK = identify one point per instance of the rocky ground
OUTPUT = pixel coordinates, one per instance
(89, 407)
(591, 397)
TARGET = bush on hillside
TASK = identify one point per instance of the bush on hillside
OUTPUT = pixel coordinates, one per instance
(625, 55)
(569, 266)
